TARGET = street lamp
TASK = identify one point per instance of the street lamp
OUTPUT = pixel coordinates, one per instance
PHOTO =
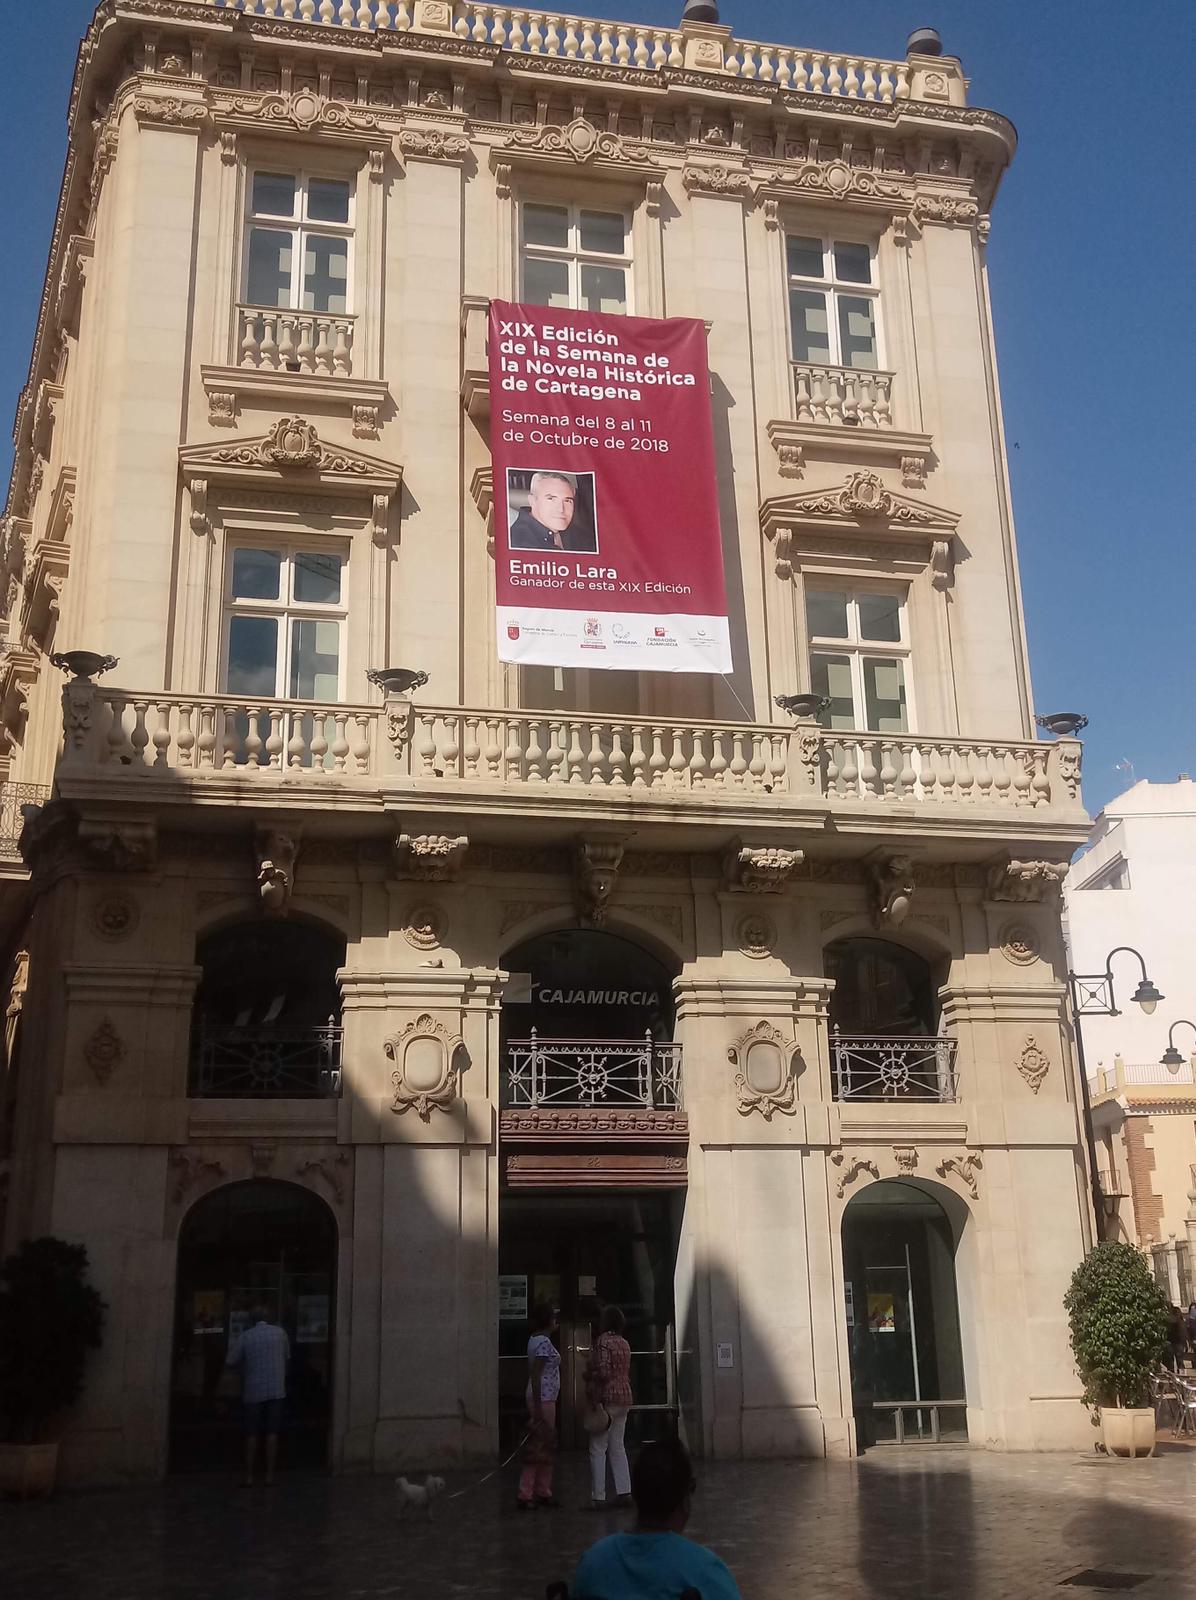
(1092, 996)
(1171, 1058)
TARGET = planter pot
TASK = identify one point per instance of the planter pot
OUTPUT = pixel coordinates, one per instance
(27, 1469)
(1128, 1432)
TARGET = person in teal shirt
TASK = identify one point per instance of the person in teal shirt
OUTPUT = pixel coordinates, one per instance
(655, 1561)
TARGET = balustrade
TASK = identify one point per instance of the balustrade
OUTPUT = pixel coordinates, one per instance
(868, 1067)
(295, 341)
(266, 1062)
(592, 1072)
(909, 768)
(850, 396)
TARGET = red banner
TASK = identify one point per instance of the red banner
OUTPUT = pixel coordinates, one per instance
(607, 544)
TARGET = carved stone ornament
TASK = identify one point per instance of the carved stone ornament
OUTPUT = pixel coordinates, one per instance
(579, 141)
(114, 916)
(433, 144)
(119, 846)
(965, 1168)
(1067, 765)
(852, 1171)
(276, 852)
(760, 869)
(426, 1071)
(304, 109)
(1033, 1063)
(597, 863)
(945, 208)
(906, 1157)
(765, 1080)
(171, 111)
(365, 422)
(293, 442)
(1025, 881)
(725, 182)
(892, 887)
(862, 497)
(838, 181)
(1019, 944)
(424, 926)
(332, 1171)
(261, 1156)
(756, 935)
(913, 472)
(104, 1050)
(430, 857)
(190, 1168)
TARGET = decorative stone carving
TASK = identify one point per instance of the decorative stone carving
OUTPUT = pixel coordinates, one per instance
(399, 715)
(725, 182)
(261, 1156)
(433, 144)
(1019, 944)
(365, 422)
(596, 863)
(104, 1050)
(1025, 881)
(765, 1080)
(966, 1168)
(906, 1157)
(430, 857)
(892, 886)
(304, 109)
(424, 926)
(791, 459)
(756, 935)
(425, 1061)
(913, 472)
(579, 141)
(1033, 1063)
(1067, 765)
(228, 147)
(114, 916)
(332, 1172)
(276, 852)
(759, 869)
(190, 1168)
(852, 1171)
(294, 442)
(119, 846)
(942, 565)
(862, 497)
(222, 409)
(944, 208)
(171, 112)
(839, 181)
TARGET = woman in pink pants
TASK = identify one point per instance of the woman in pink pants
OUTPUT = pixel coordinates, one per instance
(543, 1390)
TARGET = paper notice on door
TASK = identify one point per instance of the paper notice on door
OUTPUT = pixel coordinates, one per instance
(587, 1286)
(512, 1297)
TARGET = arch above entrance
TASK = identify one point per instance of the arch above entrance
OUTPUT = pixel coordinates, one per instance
(587, 983)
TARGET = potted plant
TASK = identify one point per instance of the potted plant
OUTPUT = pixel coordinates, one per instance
(50, 1316)
(1118, 1320)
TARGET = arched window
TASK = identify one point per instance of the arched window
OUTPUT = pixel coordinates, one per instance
(884, 1024)
(267, 1011)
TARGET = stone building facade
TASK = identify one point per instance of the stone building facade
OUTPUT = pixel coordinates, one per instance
(403, 1005)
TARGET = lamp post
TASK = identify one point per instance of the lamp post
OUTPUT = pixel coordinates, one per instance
(1092, 995)
(1171, 1058)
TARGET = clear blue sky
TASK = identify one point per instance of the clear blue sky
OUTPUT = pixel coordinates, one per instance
(1092, 259)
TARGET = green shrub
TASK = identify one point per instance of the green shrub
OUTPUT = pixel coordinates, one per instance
(1118, 1320)
(50, 1316)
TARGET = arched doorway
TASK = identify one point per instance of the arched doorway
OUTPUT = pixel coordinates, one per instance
(907, 1376)
(244, 1247)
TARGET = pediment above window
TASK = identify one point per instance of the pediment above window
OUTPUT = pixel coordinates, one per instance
(578, 145)
(861, 519)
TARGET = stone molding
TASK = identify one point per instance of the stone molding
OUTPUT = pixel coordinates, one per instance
(748, 1097)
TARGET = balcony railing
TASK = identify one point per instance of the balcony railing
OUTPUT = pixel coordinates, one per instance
(594, 1072)
(15, 798)
(869, 1067)
(295, 341)
(267, 1062)
(909, 768)
(848, 396)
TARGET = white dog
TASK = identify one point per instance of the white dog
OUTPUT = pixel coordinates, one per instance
(418, 1496)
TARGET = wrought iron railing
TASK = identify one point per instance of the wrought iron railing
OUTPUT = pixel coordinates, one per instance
(869, 1067)
(594, 1072)
(262, 1061)
(15, 799)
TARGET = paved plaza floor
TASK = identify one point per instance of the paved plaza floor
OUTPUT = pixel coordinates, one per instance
(923, 1523)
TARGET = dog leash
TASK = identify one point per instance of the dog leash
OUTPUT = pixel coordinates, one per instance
(457, 1493)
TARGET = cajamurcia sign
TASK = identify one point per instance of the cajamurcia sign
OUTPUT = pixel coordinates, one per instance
(607, 538)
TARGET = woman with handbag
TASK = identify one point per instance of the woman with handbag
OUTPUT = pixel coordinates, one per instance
(609, 1398)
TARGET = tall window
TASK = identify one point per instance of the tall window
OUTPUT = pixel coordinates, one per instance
(298, 233)
(859, 657)
(575, 258)
(284, 622)
(832, 302)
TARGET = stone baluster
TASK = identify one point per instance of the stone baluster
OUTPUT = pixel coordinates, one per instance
(250, 347)
(898, 88)
(884, 413)
(758, 766)
(307, 10)
(658, 762)
(623, 48)
(850, 388)
(984, 776)
(1021, 779)
(739, 764)
(268, 349)
(1040, 788)
(498, 28)
(1002, 780)
(606, 44)
(803, 394)
(253, 736)
(618, 757)
(494, 747)
(719, 764)
(572, 43)
(480, 24)
(868, 770)
(576, 756)
(851, 81)
(676, 58)
(513, 752)
(139, 734)
(205, 744)
(471, 750)
(287, 355)
(946, 773)
(641, 48)
(817, 74)
(161, 734)
(834, 78)
(849, 777)
(340, 741)
(678, 766)
(834, 765)
(699, 765)
(535, 37)
(296, 744)
(907, 780)
(227, 742)
(426, 748)
(748, 65)
(535, 752)
(450, 751)
(965, 777)
(927, 772)
(364, 17)
(185, 739)
(778, 766)
(888, 771)
(382, 15)
(597, 757)
(363, 746)
(324, 345)
(784, 68)
(801, 73)
(868, 90)
(768, 71)
(515, 40)
(639, 758)
(552, 38)
(556, 752)
(345, 14)
(340, 354)
(318, 745)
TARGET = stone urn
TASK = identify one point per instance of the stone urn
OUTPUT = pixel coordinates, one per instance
(1128, 1431)
(396, 680)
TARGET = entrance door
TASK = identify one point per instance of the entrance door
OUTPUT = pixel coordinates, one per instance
(248, 1247)
(580, 1253)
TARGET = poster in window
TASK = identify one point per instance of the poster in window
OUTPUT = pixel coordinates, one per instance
(608, 551)
(311, 1319)
(512, 1297)
(882, 1311)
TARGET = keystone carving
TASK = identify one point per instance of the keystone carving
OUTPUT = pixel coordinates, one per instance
(261, 1156)
(430, 857)
(765, 1081)
(892, 888)
(1033, 1063)
(104, 1051)
(760, 869)
(965, 1167)
(1025, 881)
(119, 846)
(906, 1157)
(276, 852)
(425, 1061)
(596, 865)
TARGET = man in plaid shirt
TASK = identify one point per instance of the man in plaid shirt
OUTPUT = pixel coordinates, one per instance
(262, 1353)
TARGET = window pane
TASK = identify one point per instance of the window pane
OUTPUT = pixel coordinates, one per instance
(273, 194)
(811, 336)
(268, 278)
(256, 574)
(604, 231)
(857, 332)
(328, 201)
(318, 578)
(603, 288)
(826, 613)
(884, 695)
(546, 225)
(805, 257)
(315, 661)
(252, 656)
(853, 262)
(880, 617)
(831, 675)
(545, 283)
(325, 274)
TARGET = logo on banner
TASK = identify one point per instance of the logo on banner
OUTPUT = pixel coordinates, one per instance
(660, 633)
(593, 628)
(512, 630)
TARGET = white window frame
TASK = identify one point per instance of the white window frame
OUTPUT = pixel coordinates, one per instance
(572, 253)
(858, 649)
(299, 227)
(285, 609)
(834, 289)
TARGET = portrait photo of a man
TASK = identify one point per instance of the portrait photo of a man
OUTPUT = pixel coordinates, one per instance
(551, 510)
